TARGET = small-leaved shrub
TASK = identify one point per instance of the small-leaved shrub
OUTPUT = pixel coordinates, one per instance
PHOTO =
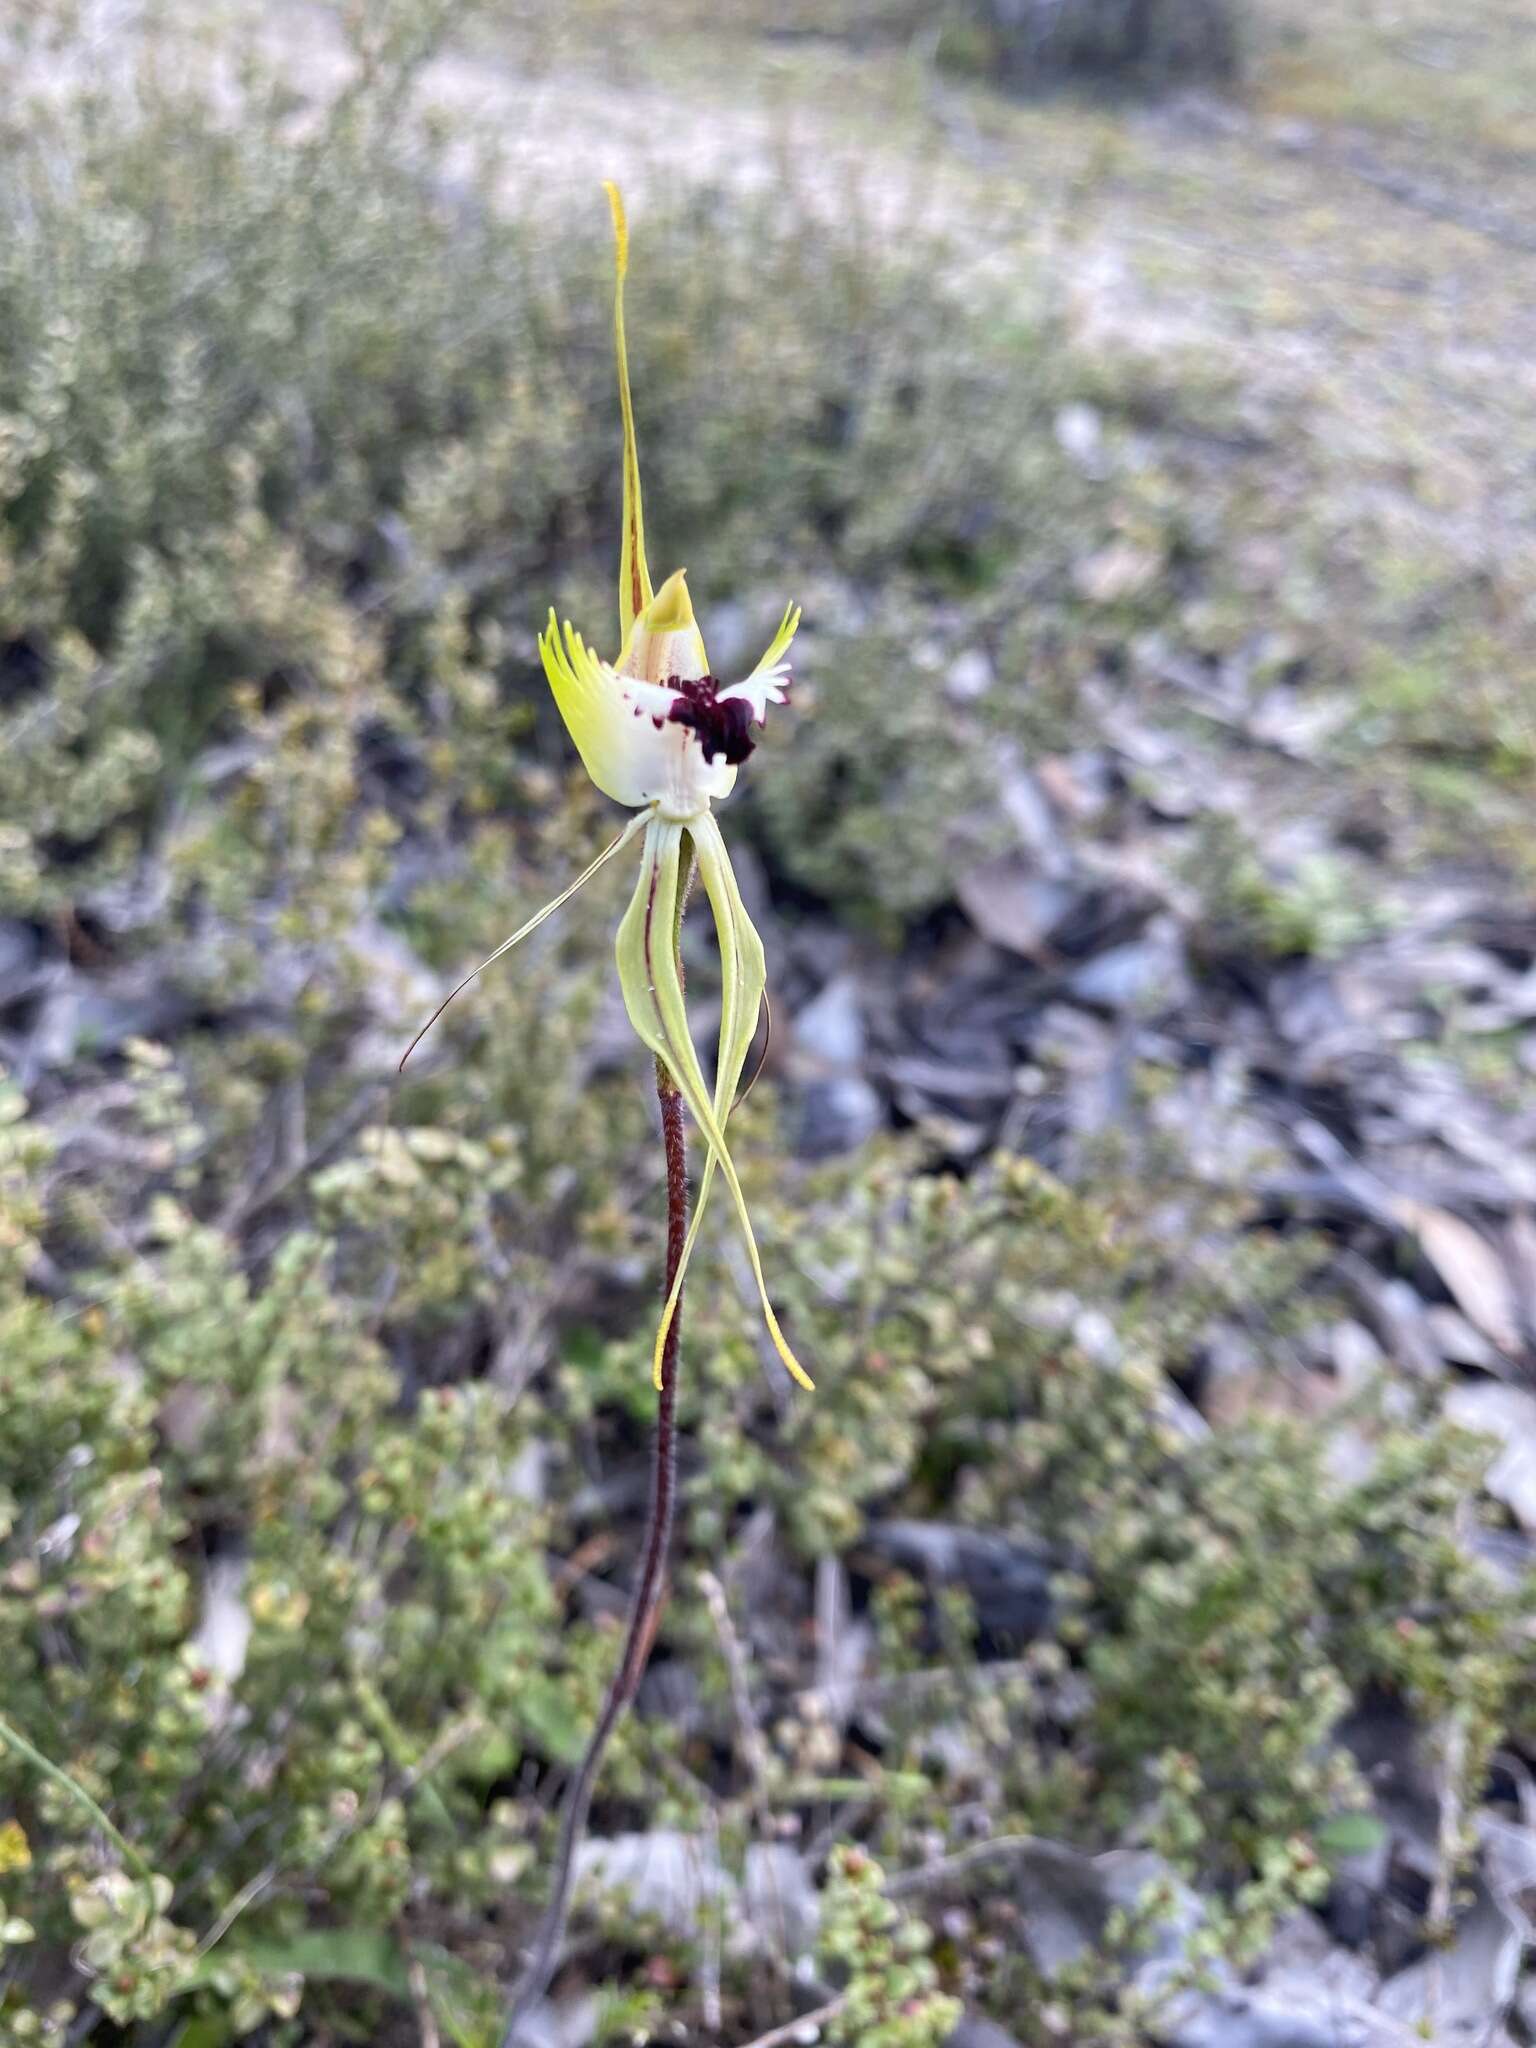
(324, 1399)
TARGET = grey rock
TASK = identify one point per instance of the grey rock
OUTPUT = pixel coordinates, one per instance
(18, 954)
(1509, 1555)
(970, 675)
(1009, 1582)
(1127, 1875)
(679, 1879)
(1012, 904)
(1509, 1868)
(837, 1115)
(1355, 1354)
(1309, 1993)
(1064, 1903)
(1508, 1415)
(561, 2023)
(838, 1107)
(1065, 1899)
(1137, 974)
(1458, 1994)
(672, 1876)
(55, 1034)
(1029, 811)
(1080, 436)
(779, 1903)
(224, 1628)
(980, 2033)
(831, 1025)
(1094, 1334)
(79, 1017)
(105, 1018)
(1249, 2021)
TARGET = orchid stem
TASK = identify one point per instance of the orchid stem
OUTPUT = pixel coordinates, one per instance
(649, 1595)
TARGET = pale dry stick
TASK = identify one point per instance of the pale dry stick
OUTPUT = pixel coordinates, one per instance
(711, 1936)
(1451, 1774)
(1438, 1913)
(421, 1999)
(750, 1735)
(831, 1627)
(946, 1867)
(748, 1728)
(806, 2028)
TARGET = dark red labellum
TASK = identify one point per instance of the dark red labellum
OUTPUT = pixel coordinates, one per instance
(721, 724)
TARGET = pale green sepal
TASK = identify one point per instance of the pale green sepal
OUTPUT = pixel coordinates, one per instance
(532, 925)
(653, 995)
(743, 979)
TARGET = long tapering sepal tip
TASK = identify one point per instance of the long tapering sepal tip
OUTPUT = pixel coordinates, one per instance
(791, 1364)
(524, 930)
(653, 996)
(620, 226)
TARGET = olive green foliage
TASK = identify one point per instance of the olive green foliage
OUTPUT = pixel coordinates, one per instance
(874, 752)
(1318, 907)
(892, 1998)
(288, 404)
(319, 1397)
(404, 1664)
(1230, 1591)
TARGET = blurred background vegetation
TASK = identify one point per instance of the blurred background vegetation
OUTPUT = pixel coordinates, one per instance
(1130, 1641)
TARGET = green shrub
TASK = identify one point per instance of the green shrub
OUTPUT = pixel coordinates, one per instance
(288, 406)
(1319, 907)
(891, 1999)
(341, 1795)
(310, 1391)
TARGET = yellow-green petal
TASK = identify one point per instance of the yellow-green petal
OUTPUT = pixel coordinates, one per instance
(593, 717)
(778, 646)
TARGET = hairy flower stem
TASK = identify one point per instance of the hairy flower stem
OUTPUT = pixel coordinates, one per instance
(649, 1595)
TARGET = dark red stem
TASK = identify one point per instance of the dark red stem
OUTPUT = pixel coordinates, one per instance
(649, 1596)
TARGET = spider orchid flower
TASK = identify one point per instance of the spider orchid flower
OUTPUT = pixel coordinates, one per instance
(664, 737)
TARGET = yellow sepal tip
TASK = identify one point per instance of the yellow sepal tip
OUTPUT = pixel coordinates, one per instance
(620, 226)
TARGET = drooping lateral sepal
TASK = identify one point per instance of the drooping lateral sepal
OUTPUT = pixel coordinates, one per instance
(743, 982)
(527, 929)
(653, 995)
